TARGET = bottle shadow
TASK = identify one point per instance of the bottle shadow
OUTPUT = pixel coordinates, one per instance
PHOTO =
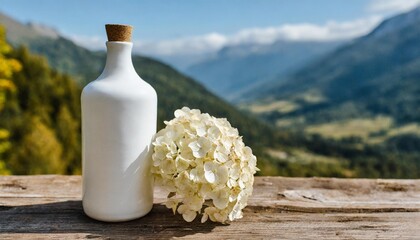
(68, 217)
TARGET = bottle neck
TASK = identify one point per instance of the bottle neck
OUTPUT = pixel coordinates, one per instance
(118, 58)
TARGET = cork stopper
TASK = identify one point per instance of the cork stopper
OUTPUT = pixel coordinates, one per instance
(118, 32)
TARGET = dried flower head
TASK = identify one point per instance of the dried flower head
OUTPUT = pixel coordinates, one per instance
(201, 161)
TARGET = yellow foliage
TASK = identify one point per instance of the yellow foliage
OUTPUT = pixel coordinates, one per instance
(4, 134)
(4, 47)
(42, 153)
(4, 146)
(3, 169)
(7, 85)
(8, 66)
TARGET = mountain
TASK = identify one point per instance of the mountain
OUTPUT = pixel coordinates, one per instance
(62, 54)
(368, 88)
(182, 62)
(363, 97)
(235, 69)
(26, 32)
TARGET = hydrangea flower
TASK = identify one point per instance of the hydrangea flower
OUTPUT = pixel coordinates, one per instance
(203, 164)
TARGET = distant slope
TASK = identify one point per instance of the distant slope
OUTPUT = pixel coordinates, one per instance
(62, 54)
(378, 74)
(237, 68)
(26, 32)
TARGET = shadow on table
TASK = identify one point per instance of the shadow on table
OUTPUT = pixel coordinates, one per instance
(68, 217)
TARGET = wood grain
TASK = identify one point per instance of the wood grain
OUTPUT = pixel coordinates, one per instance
(49, 206)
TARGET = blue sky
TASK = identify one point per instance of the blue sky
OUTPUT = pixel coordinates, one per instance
(177, 27)
(171, 19)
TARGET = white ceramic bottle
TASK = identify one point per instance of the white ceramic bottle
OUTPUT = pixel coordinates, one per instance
(119, 112)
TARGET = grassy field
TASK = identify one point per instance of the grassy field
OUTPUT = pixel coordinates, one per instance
(359, 127)
(370, 130)
(411, 128)
(296, 155)
(305, 163)
(279, 106)
(311, 96)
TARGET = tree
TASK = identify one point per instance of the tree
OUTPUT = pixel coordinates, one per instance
(40, 119)
(68, 132)
(40, 152)
(8, 66)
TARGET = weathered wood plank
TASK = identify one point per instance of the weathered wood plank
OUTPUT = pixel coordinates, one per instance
(306, 208)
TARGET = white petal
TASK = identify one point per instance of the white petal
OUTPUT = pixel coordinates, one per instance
(210, 176)
(234, 171)
(214, 133)
(219, 217)
(195, 203)
(221, 154)
(204, 218)
(195, 146)
(209, 166)
(200, 128)
(172, 204)
(182, 209)
(205, 190)
(247, 151)
(189, 216)
(241, 184)
(232, 198)
(159, 140)
(200, 147)
(221, 202)
(194, 175)
(181, 112)
(222, 174)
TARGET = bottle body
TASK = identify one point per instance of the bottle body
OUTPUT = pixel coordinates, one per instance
(119, 112)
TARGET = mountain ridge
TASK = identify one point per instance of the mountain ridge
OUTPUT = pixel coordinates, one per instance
(238, 67)
(24, 32)
(377, 74)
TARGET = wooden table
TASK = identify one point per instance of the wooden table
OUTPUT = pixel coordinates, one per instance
(49, 206)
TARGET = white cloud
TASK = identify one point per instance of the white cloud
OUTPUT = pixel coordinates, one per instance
(329, 31)
(391, 6)
(188, 45)
(90, 42)
(212, 42)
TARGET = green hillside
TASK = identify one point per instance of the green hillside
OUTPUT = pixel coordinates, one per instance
(238, 68)
(377, 74)
(363, 98)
